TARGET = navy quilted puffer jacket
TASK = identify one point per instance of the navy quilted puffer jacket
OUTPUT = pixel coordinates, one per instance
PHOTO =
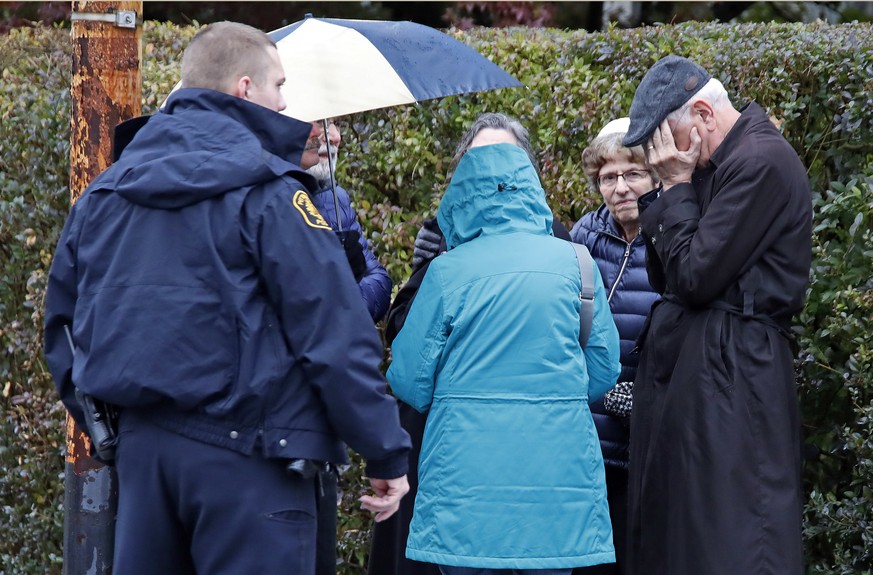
(623, 269)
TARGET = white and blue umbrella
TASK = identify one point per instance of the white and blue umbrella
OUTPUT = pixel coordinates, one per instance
(335, 67)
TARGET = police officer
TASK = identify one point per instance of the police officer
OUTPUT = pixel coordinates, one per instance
(211, 302)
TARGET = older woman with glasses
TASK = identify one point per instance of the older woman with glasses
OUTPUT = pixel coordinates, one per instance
(611, 233)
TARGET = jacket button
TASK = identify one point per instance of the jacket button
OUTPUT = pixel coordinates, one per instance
(653, 239)
(660, 227)
(234, 434)
(282, 443)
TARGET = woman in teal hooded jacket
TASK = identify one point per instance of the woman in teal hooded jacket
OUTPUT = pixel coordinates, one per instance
(511, 476)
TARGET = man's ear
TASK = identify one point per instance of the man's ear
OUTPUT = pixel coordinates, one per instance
(704, 110)
(242, 88)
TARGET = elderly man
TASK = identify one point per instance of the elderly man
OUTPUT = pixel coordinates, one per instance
(372, 278)
(209, 300)
(715, 432)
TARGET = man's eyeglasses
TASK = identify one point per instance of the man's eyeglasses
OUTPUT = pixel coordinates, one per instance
(631, 177)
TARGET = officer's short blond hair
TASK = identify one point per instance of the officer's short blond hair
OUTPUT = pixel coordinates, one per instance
(222, 53)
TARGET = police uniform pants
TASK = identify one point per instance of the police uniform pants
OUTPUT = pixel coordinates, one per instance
(187, 508)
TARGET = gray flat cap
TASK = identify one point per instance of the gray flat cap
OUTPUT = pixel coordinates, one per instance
(666, 86)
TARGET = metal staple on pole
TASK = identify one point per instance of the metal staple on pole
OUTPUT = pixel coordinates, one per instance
(122, 18)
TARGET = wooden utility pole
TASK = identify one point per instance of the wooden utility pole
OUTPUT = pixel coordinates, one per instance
(106, 90)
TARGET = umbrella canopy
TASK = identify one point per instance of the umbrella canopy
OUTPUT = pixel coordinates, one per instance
(336, 67)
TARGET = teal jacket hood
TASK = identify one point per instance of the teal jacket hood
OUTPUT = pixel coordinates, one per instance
(494, 190)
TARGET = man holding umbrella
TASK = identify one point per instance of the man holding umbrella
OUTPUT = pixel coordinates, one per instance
(178, 277)
(374, 281)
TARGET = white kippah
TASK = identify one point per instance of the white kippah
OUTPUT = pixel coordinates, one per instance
(617, 126)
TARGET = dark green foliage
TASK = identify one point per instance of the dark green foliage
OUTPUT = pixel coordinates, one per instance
(816, 80)
(353, 525)
(34, 198)
(836, 376)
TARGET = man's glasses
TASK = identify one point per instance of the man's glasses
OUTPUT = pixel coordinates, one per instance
(631, 177)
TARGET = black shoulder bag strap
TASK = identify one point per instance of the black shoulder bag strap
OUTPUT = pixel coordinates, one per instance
(586, 272)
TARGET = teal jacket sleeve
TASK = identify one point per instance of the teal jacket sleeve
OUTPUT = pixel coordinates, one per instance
(417, 349)
(603, 349)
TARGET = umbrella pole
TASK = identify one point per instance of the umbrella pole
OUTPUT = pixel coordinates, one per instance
(339, 219)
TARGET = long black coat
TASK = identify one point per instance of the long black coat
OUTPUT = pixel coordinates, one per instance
(715, 431)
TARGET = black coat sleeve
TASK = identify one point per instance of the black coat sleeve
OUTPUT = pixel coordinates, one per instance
(560, 230)
(403, 300)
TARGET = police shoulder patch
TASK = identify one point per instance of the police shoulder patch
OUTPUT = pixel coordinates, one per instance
(306, 207)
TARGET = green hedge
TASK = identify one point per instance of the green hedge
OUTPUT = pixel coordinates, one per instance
(34, 200)
(816, 79)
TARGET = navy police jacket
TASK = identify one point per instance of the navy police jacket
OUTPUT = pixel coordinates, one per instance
(204, 290)
(623, 268)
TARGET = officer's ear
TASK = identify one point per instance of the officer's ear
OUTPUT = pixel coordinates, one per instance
(241, 90)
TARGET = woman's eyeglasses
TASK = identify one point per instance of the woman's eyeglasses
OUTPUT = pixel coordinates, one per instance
(631, 177)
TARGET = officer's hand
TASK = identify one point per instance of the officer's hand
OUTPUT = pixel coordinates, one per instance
(354, 252)
(388, 493)
(426, 247)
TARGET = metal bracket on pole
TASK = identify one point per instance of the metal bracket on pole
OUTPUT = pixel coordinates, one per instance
(122, 18)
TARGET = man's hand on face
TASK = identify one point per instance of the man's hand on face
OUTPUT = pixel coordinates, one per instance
(672, 165)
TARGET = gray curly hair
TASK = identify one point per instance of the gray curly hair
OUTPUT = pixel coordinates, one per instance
(496, 121)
